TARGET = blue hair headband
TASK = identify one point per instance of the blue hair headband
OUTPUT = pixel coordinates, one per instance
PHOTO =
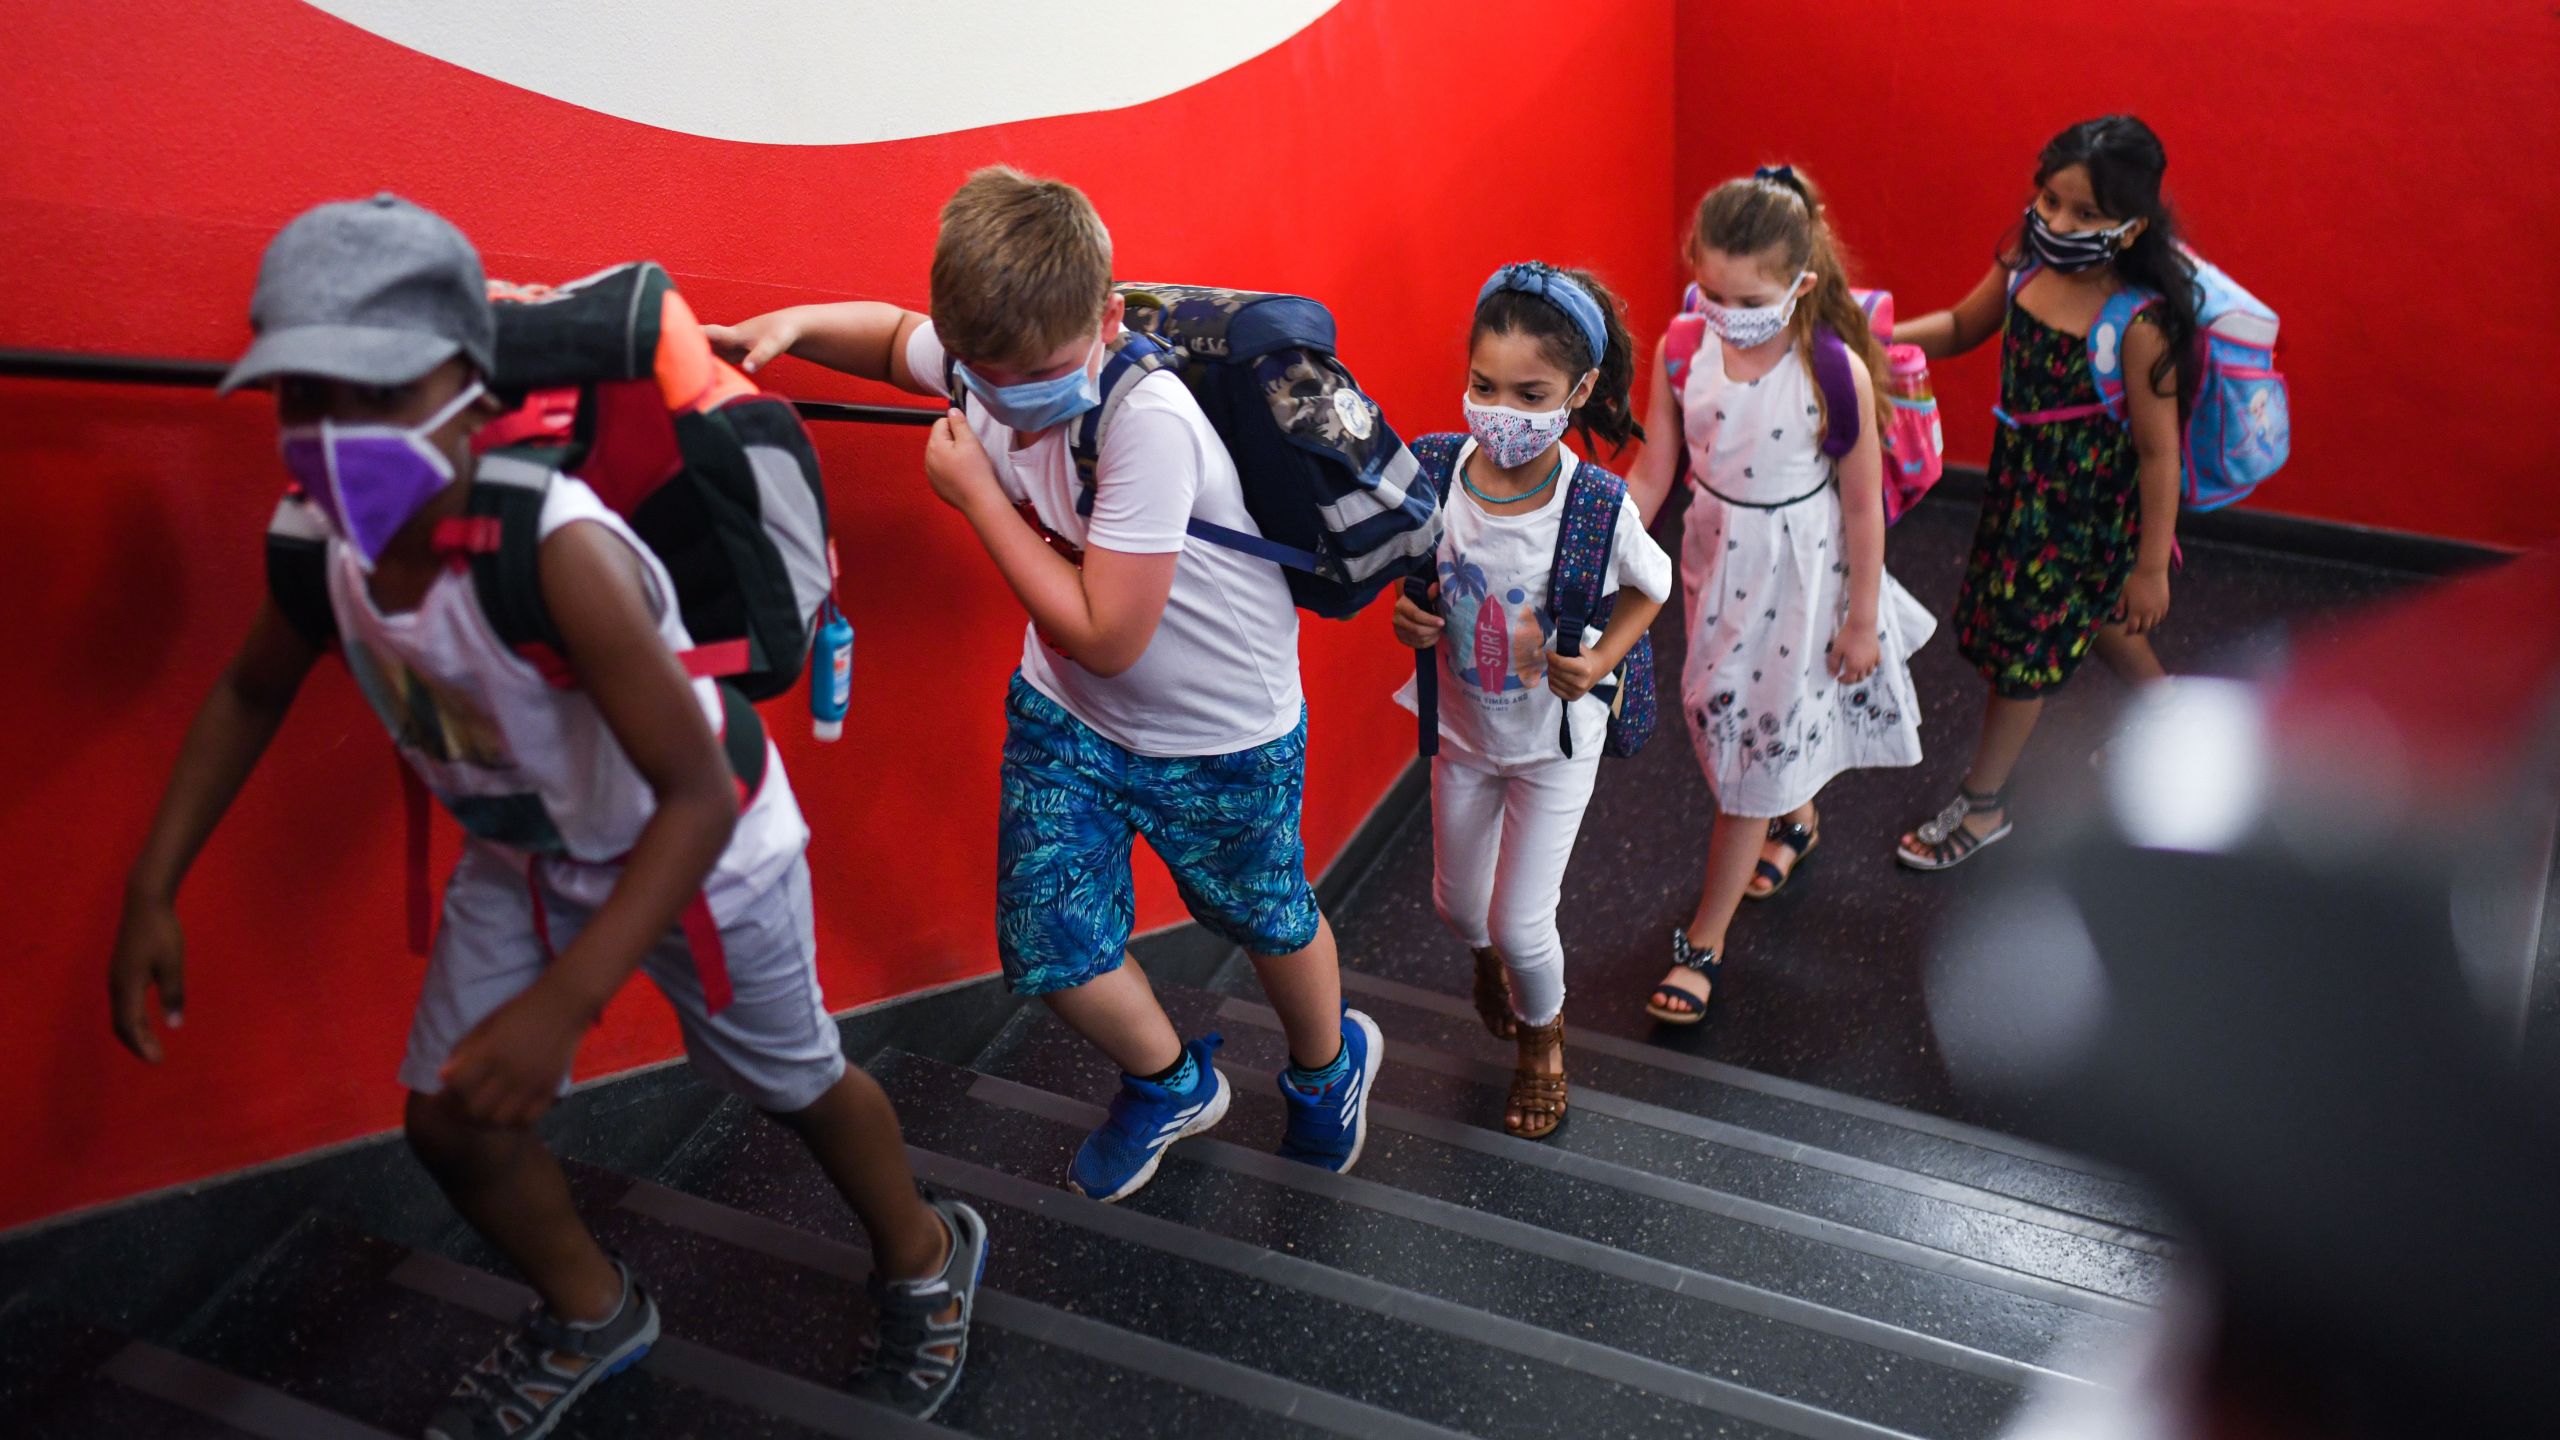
(1534, 277)
(1784, 177)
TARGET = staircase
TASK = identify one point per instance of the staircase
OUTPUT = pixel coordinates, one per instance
(1700, 1251)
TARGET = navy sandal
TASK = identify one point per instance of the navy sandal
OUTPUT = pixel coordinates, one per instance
(1944, 841)
(1800, 838)
(1674, 1006)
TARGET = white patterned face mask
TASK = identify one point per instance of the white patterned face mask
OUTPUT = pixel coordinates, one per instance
(1512, 437)
(1743, 329)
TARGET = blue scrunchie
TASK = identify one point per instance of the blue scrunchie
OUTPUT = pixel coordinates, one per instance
(1533, 277)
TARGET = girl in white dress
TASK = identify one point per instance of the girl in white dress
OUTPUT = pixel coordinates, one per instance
(1799, 652)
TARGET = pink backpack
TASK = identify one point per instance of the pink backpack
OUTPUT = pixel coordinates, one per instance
(1914, 448)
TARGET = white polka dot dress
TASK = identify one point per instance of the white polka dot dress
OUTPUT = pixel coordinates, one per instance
(1767, 581)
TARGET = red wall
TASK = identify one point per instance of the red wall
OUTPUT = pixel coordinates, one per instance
(2377, 170)
(153, 148)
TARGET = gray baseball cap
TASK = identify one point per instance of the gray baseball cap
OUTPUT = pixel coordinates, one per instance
(378, 292)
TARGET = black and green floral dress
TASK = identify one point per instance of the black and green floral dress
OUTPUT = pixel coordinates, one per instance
(2056, 539)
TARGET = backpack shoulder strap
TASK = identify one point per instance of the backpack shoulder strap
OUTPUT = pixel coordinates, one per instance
(2106, 343)
(1586, 542)
(298, 570)
(1586, 547)
(2018, 278)
(1436, 456)
(1681, 341)
(499, 534)
(1133, 358)
(1831, 375)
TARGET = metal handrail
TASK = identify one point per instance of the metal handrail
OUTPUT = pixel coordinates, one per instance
(205, 374)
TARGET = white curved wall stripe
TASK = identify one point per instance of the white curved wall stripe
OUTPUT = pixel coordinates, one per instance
(837, 72)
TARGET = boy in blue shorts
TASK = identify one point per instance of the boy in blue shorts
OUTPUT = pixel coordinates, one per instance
(1158, 693)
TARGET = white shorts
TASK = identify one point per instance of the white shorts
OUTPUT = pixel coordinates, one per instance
(774, 1046)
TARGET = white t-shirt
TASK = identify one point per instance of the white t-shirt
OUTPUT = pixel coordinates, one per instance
(1221, 673)
(1493, 571)
(536, 765)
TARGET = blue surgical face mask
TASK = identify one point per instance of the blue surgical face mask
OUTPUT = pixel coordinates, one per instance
(1036, 405)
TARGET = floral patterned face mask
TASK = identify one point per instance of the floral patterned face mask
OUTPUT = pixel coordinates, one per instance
(1743, 329)
(1513, 437)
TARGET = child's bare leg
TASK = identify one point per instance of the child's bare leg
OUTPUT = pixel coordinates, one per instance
(2006, 725)
(1733, 848)
(1779, 856)
(1119, 1013)
(511, 1188)
(1305, 988)
(853, 1132)
(2130, 656)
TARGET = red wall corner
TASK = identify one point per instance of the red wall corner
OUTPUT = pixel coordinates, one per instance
(2378, 172)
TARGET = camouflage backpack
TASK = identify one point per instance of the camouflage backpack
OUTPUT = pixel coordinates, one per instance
(1340, 504)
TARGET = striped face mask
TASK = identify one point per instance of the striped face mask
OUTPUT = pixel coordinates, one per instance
(2070, 254)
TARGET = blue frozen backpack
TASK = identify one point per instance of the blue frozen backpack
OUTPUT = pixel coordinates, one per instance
(2239, 424)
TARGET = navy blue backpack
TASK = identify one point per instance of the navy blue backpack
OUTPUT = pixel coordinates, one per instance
(1586, 547)
(1341, 505)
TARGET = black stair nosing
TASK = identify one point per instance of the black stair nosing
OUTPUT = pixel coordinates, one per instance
(612, 1409)
(1454, 1029)
(227, 1399)
(1759, 1142)
(1398, 1304)
(51, 1387)
(1555, 1245)
(1758, 1212)
(1923, 1297)
(1096, 1339)
(687, 1362)
(1286, 1402)
(1635, 1051)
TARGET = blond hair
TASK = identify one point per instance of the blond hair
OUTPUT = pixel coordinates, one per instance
(1780, 211)
(1022, 266)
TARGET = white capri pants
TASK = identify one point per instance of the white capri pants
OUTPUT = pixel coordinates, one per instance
(774, 1045)
(1500, 838)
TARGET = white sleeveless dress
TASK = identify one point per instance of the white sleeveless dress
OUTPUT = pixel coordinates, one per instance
(1767, 577)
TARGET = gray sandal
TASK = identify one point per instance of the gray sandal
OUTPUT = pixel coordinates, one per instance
(1945, 840)
(524, 1388)
(917, 1355)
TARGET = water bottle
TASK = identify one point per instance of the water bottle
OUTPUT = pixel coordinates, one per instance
(1908, 366)
(1915, 448)
(830, 675)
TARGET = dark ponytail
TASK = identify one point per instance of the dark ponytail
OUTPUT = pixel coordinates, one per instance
(1609, 416)
(2126, 161)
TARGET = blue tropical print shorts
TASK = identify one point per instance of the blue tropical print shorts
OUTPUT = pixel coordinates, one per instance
(1225, 825)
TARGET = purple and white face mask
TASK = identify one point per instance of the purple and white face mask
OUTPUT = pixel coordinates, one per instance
(1512, 437)
(367, 480)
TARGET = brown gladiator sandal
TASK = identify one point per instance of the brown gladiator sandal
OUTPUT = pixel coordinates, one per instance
(1538, 1101)
(1493, 995)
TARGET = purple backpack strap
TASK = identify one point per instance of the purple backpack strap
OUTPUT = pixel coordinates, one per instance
(1839, 393)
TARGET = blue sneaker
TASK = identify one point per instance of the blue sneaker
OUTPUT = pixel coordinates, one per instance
(1329, 1128)
(1120, 1158)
